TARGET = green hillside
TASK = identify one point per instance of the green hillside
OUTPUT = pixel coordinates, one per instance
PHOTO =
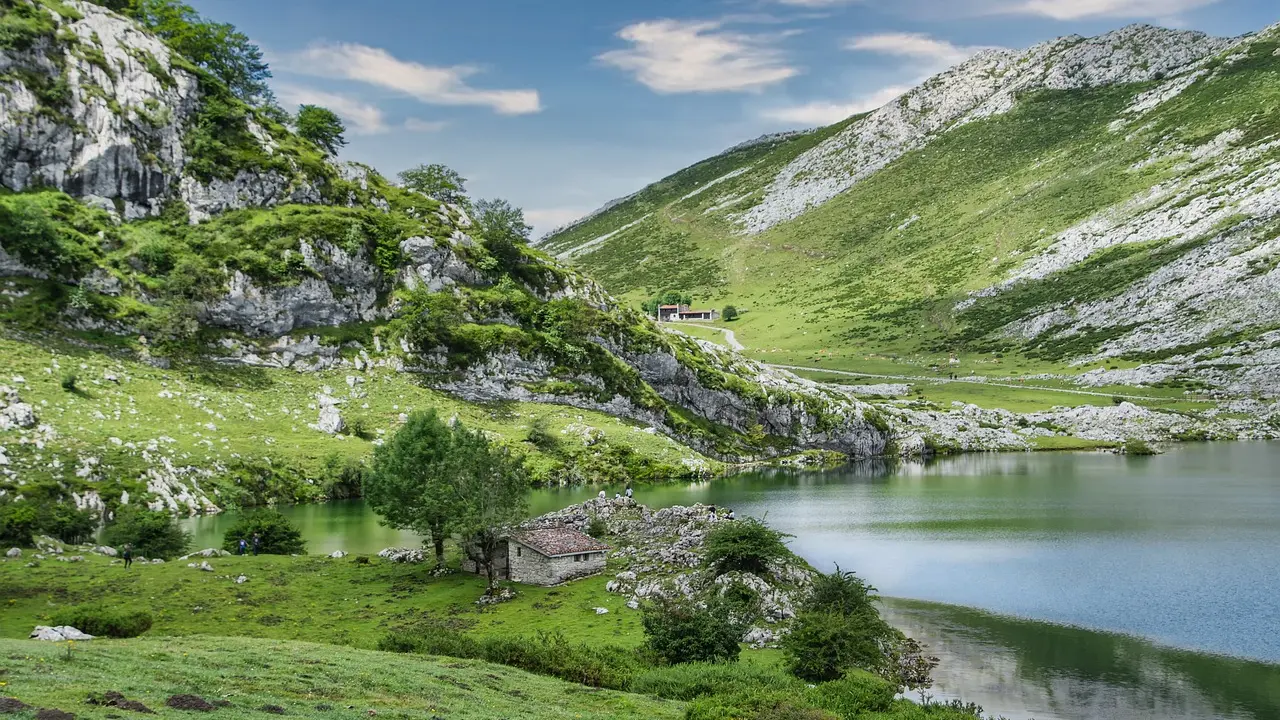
(882, 270)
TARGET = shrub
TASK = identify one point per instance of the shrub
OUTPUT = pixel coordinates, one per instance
(18, 523)
(105, 622)
(683, 632)
(341, 477)
(548, 654)
(693, 680)
(729, 313)
(279, 536)
(755, 705)
(746, 545)
(856, 693)
(69, 381)
(597, 528)
(152, 534)
(1135, 446)
(68, 523)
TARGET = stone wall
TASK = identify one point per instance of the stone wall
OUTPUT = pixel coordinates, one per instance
(532, 567)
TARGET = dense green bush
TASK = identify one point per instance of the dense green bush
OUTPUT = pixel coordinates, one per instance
(838, 628)
(104, 622)
(278, 535)
(548, 654)
(681, 632)
(745, 545)
(152, 534)
(854, 694)
(18, 523)
(730, 313)
(688, 681)
(756, 705)
(67, 523)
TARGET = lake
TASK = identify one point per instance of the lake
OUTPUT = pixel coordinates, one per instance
(1056, 586)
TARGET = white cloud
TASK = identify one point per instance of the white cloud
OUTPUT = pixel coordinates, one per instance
(824, 112)
(818, 3)
(674, 56)
(913, 45)
(429, 84)
(1077, 9)
(425, 126)
(547, 219)
(364, 119)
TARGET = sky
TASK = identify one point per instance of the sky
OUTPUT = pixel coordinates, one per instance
(562, 105)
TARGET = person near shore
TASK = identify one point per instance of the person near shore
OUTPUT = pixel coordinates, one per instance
(628, 492)
(257, 543)
(730, 516)
(127, 554)
(711, 513)
(602, 495)
(242, 546)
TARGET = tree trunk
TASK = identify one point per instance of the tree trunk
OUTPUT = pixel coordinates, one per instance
(438, 541)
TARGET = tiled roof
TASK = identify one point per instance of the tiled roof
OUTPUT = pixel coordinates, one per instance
(554, 542)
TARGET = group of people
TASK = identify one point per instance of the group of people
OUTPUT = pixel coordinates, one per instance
(243, 545)
(713, 516)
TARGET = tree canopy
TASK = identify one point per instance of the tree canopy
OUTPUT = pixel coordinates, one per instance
(436, 181)
(442, 479)
(410, 483)
(321, 126)
(221, 49)
(503, 229)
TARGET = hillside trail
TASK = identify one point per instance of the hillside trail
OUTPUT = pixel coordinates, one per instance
(733, 343)
(974, 381)
(729, 337)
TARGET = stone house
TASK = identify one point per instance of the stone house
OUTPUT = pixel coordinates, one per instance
(548, 556)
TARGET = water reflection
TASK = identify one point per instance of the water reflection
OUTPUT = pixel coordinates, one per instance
(1027, 669)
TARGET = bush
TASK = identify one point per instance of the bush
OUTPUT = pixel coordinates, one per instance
(342, 478)
(755, 705)
(746, 545)
(693, 680)
(18, 523)
(856, 693)
(838, 628)
(279, 536)
(104, 622)
(68, 523)
(729, 313)
(597, 528)
(69, 381)
(683, 632)
(152, 534)
(547, 654)
(1135, 446)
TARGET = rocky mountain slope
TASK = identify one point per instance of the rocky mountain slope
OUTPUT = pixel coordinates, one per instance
(158, 231)
(1104, 209)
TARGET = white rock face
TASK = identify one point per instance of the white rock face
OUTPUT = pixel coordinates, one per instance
(15, 414)
(985, 85)
(330, 420)
(59, 633)
(120, 142)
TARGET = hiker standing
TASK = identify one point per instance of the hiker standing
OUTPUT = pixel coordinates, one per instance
(628, 492)
(257, 543)
(242, 546)
(127, 554)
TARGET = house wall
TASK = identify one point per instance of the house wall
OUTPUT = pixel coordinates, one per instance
(532, 567)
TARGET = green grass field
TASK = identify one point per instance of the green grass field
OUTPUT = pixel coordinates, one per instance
(305, 679)
(206, 415)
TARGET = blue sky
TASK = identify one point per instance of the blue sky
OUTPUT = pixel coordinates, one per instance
(562, 105)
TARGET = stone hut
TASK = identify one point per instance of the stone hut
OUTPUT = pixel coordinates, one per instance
(550, 556)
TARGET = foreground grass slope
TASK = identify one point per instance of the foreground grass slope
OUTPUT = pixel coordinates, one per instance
(305, 679)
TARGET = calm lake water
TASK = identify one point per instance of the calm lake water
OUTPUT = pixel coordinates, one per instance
(1056, 586)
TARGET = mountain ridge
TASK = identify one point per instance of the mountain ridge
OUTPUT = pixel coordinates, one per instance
(1134, 169)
